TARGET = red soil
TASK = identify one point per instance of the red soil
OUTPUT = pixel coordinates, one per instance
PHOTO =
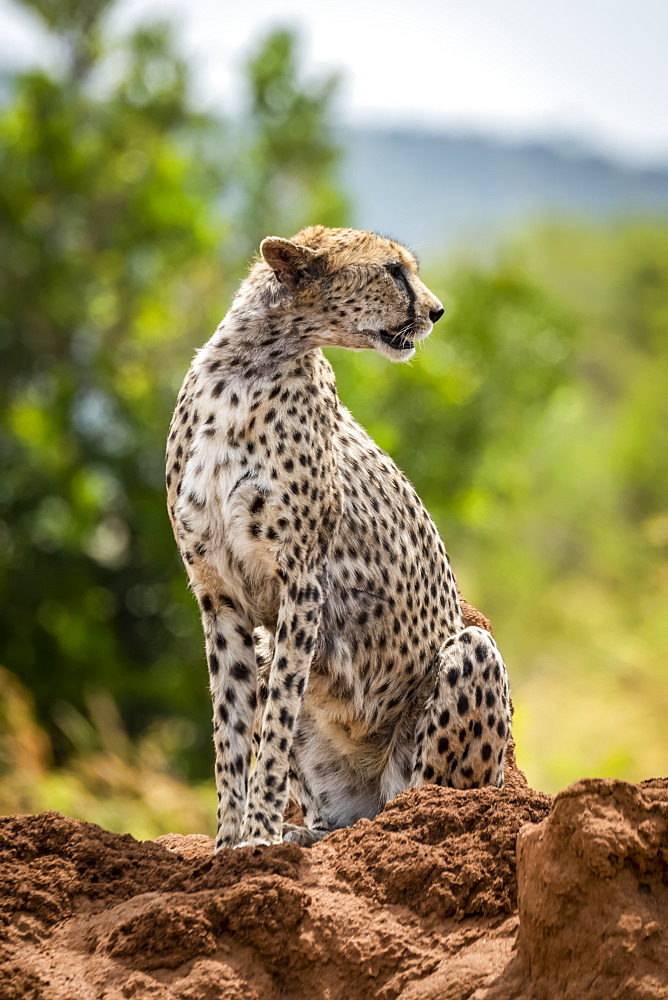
(429, 901)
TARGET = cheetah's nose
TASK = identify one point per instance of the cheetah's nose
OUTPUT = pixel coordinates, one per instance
(435, 314)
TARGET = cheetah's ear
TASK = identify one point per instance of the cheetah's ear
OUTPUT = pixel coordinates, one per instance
(293, 265)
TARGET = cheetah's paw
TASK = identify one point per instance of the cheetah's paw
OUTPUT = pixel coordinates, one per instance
(253, 842)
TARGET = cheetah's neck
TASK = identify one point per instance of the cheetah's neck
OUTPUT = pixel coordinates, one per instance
(259, 340)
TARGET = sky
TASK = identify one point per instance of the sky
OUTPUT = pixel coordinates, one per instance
(593, 70)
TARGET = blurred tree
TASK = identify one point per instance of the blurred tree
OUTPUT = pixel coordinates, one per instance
(534, 423)
(289, 159)
(116, 235)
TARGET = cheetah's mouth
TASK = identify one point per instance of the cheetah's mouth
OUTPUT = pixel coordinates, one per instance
(396, 340)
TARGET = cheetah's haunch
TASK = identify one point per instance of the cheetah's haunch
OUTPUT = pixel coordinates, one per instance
(333, 625)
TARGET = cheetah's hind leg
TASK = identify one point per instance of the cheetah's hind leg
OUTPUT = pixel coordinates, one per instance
(316, 823)
(464, 734)
(303, 835)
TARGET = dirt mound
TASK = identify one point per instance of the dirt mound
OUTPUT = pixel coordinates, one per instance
(593, 892)
(423, 902)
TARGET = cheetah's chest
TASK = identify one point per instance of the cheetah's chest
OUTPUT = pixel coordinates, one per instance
(258, 493)
(223, 481)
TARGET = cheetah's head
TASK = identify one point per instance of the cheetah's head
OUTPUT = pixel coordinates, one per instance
(352, 289)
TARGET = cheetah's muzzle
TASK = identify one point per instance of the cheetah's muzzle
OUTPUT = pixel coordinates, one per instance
(396, 341)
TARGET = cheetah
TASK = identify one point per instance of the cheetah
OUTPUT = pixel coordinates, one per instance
(337, 647)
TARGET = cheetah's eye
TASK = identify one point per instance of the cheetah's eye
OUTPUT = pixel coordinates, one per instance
(399, 275)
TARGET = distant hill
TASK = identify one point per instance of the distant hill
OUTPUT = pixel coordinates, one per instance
(436, 191)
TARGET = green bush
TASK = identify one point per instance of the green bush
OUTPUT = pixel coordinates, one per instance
(533, 423)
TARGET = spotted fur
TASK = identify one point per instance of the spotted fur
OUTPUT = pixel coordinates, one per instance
(332, 619)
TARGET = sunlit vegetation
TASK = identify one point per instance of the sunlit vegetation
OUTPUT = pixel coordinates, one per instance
(533, 424)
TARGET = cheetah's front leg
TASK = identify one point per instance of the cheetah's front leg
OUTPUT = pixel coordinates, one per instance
(296, 633)
(232, 670)
(463, 736)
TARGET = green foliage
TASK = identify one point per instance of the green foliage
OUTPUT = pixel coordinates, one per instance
(289, 158)
(533, 423)
(109, 779)
(116, 209)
